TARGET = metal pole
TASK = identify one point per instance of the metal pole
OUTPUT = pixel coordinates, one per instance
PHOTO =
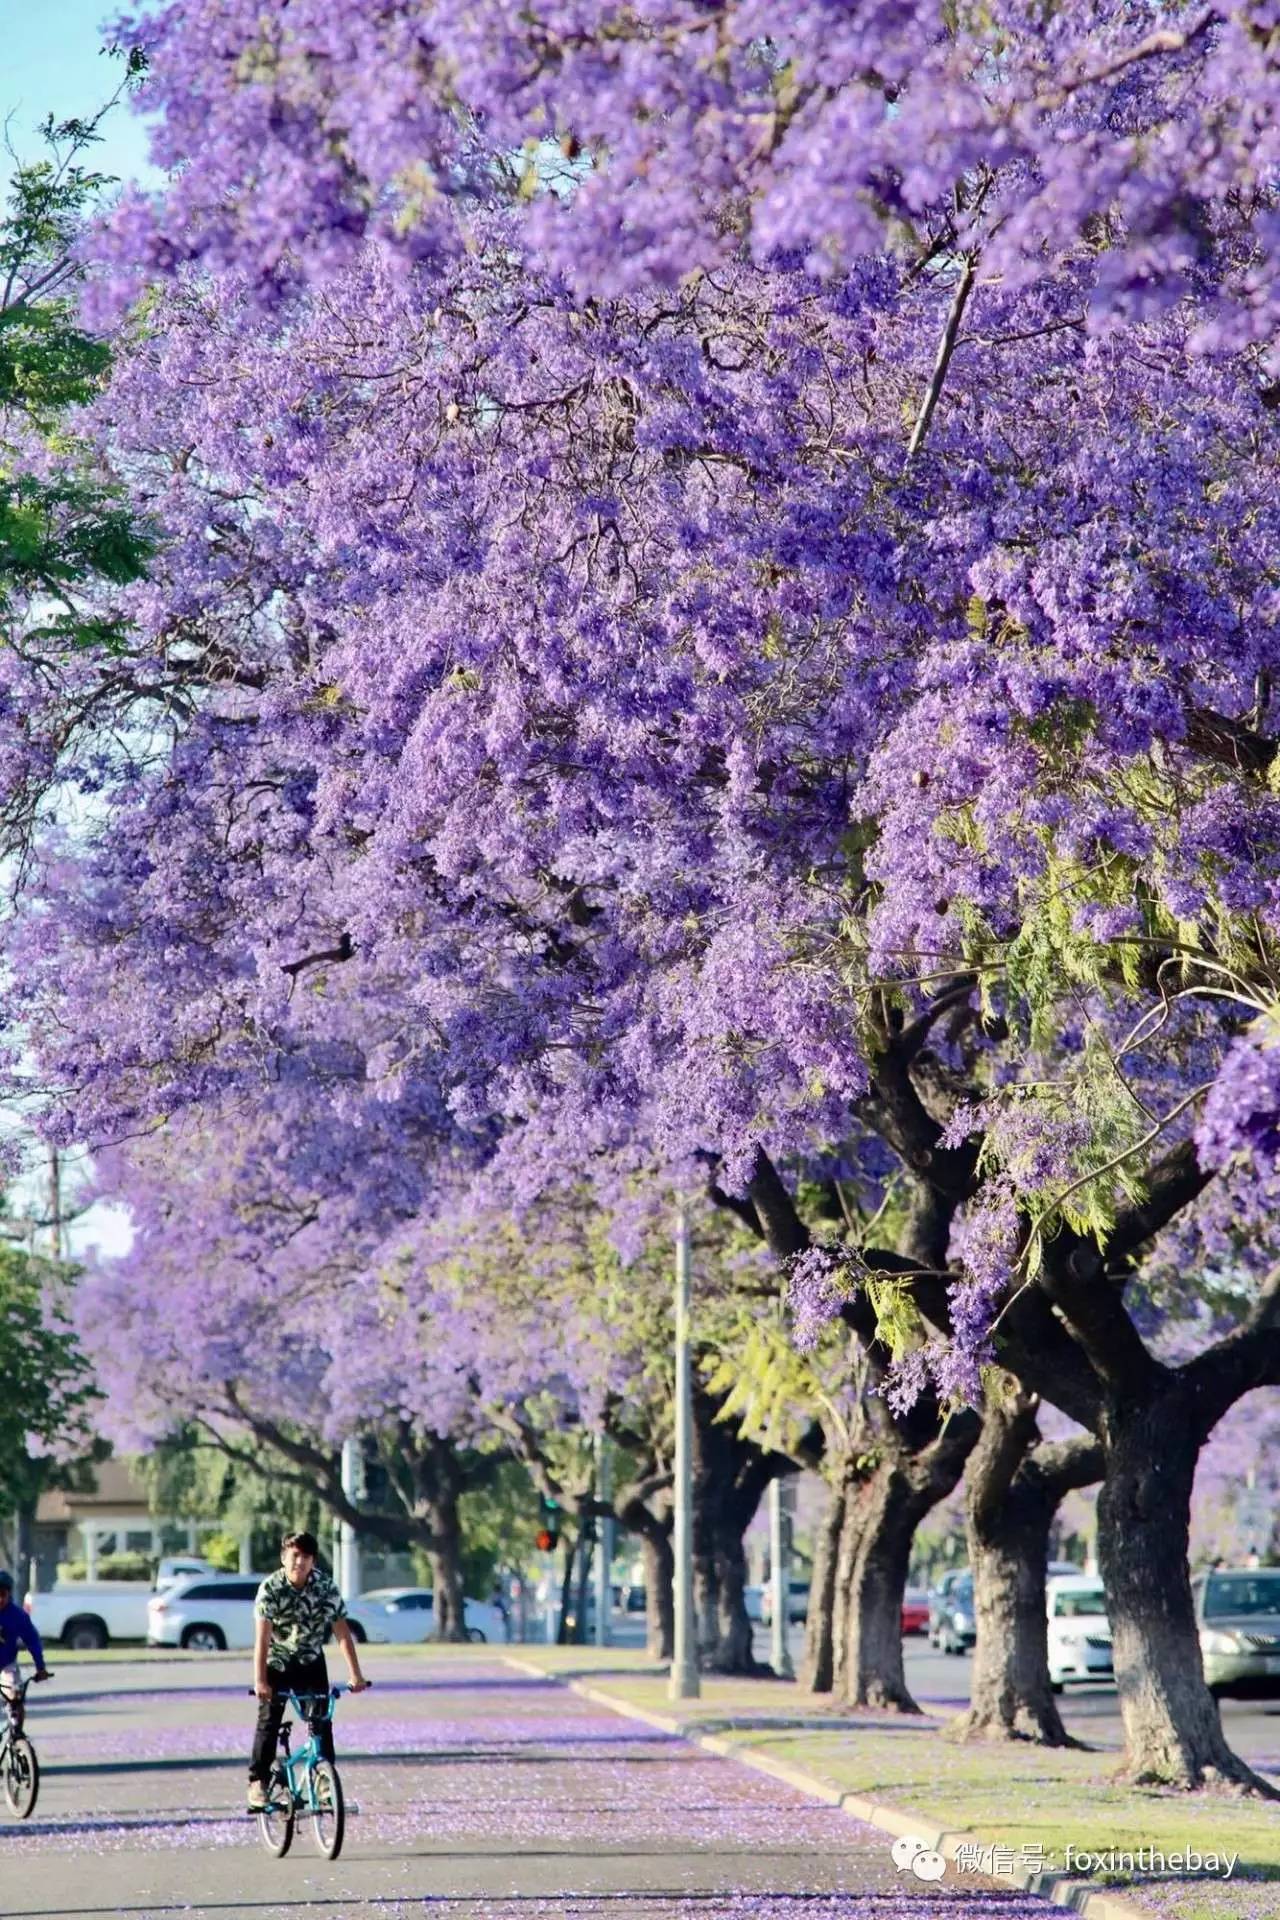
(684, 1683)
(604, 1547)
(55, 1202)
(780, 1584)
(349, 1576)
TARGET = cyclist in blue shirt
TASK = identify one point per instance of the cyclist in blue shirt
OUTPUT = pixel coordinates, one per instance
(17, 1628)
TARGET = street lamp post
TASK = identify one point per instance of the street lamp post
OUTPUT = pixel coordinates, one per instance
(779, 1581)
(348, 1539)
(604, 1543)
(684, 1683)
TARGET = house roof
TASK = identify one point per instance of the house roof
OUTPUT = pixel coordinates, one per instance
(117, 1490)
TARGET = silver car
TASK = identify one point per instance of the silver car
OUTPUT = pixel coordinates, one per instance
(1238, 1613)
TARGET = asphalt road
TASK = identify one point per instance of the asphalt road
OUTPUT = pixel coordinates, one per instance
(480, 1793)
(1091, 1713)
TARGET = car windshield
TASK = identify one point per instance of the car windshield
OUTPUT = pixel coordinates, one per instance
(1241, 1593)
(1089, 1604)
(962, 1592)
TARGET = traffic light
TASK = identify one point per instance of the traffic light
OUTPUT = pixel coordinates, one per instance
(547, 1538)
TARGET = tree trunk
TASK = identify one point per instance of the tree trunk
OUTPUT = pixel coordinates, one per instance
(659, 1572)
(586, 1541)
(883, 1516)
(566, 1592)
(24, 1522)
(444, 1551)
(846, 1557)
(1012, 1490)
(817, 1671)
(730, 1475)
(887, 1511)
(1173, 1732)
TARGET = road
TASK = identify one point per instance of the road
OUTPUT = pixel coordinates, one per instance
(481, 1795)
(941, 1681)
(1092, 1714)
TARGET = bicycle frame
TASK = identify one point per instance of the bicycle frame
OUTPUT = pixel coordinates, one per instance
(14, 1702)
(297, 1766)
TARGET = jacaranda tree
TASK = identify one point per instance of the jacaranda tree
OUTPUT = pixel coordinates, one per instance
(758, 653)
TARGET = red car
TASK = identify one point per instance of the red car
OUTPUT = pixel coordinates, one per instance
(915, 1611)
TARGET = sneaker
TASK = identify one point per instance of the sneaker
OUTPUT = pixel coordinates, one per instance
(257, 1795)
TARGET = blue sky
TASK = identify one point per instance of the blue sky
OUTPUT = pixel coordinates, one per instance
(50, 62)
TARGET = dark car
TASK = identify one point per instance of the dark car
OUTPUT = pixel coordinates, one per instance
(957, 1624)
(938, 1599)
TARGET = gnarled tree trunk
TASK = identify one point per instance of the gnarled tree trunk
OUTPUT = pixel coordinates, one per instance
(730, 1475)
(817, 1670)
(884, 1512)
(1013, 1485)
(659, 1571)
(1173, 1732)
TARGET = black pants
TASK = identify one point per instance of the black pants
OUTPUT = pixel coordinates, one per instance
(305, 1675)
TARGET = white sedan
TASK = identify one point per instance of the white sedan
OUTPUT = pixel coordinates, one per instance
(409, 1613)
(208, 1612)
(1079, 1632)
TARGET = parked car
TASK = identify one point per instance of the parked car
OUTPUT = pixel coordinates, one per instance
(181, 1567)
(213, 1611)
(1079, 1633)
(797, 1599)
(1238, 1613)
(915, 1611)
(409, 1613)
(571, 1616)
(957, 1623)
(86, 1615)
(753, 1601)
(636, 1600)
(937, 1600)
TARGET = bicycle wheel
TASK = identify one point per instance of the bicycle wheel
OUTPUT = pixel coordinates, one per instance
(21, 1777)
(328, 1811)
(276, 1819)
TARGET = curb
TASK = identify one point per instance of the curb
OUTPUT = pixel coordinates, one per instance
(1084, 1897)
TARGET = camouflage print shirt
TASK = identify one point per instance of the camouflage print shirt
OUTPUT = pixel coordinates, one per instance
(300, 1616)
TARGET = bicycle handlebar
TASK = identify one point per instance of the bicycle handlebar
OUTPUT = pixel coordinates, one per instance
(297, 1698)
(20, 1691)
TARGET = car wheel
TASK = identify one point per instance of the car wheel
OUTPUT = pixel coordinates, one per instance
(474, 1633)
(204, 1639)
(86, 1636)
(1055, 1686)
(358, 1633)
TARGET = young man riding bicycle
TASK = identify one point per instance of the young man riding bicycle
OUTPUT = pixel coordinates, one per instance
(17, 1628)
(295, 1610)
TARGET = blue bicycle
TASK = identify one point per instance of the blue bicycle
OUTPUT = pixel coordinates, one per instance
(304, 1785)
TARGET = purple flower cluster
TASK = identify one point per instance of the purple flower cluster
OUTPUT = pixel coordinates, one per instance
(816, 1291)
(1241, 1115)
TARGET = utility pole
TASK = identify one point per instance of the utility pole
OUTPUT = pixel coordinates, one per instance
(55, 1203)
(779, 1579)
(684, 1683)
(604, 1550)
(349, 1576)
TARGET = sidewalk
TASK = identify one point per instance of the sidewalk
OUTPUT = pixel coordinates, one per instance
(1028, 1803)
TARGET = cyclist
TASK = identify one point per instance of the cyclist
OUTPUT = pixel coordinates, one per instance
(295, 1609)
(17, 1628)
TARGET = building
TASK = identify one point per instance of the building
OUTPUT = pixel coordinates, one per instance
(114, 1518)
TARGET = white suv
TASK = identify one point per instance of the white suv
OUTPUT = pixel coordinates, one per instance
(213, 1611)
